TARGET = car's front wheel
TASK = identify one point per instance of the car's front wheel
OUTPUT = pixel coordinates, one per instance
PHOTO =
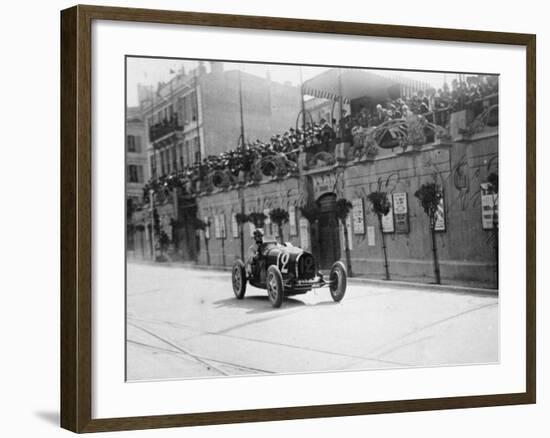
(338, 281)
(238, 278)
(275, 287)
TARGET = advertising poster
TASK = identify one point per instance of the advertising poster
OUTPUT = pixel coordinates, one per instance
(489, 208)
(400, 212)
(304, 233)
(207, 228)
(358, 214)
(217, 234)
(292, 220)
(370, 235)
(221, 221)
(440, 216)
(267, 224)
(387, 220)
(234, 225)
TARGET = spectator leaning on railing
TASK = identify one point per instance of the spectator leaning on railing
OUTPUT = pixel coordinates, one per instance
(435, 105)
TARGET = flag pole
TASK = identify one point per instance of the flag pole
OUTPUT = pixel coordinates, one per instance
(302, 102)
(197, 121)
(341, 103)
(242, 146)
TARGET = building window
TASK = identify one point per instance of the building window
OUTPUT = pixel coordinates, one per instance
(194, 112)
(166, 154)
(197, 149)
(187, 153)
(190, 113)
(180, 156)
(135, 173)
(162, 164)
(133, 143)
(153, 166)
(174, 159)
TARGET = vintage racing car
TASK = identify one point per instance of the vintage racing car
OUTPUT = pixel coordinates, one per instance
(284, 270)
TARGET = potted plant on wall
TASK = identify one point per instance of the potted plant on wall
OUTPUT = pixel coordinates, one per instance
(429, 195)
(311, 212)
(258, 219)
(381, 207)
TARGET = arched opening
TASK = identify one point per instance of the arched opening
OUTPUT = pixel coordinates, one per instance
(328, 236)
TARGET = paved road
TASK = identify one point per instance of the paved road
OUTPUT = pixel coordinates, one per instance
(186, 323)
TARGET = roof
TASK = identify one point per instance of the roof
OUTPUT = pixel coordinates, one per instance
(350, 84)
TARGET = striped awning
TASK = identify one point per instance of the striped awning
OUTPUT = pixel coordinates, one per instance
(347, 84)
(324, 94)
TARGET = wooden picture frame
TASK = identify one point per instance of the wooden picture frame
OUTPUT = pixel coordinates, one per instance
(76, 217)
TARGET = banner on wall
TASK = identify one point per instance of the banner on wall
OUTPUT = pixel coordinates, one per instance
(267, 224)
(292, 220)
(440, 216)
(350, 234)
(234, 225)
(221, 221)
(387, 220)
(207, 227)
(358, 214)
(304, 234)
(400, 212)
(489, 208)
(370, 235)
(217, 226)
(324, 183)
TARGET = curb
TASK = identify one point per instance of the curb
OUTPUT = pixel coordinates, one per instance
(363, 280)
(425, 286)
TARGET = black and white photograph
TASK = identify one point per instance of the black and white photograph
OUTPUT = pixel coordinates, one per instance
(286, 219)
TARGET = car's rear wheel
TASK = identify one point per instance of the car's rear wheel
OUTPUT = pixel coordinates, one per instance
(275, 287)
(238, 278)
(338, 281)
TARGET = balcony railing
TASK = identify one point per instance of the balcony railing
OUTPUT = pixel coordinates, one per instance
(259, 162)
(161, 129)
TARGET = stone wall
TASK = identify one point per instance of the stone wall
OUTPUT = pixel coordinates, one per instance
(466, 250)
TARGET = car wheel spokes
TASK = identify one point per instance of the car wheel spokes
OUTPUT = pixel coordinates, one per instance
(237, 279)
(272, 289)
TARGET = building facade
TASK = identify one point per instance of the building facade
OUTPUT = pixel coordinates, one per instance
(137, 174)
(197, 114)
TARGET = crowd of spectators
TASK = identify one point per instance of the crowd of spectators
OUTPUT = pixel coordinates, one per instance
(313, 137)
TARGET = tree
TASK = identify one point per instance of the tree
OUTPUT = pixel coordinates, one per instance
(343, 208)
(242, 219)
(381, 207)
(279, 217)
(430, 195)
(203, 225)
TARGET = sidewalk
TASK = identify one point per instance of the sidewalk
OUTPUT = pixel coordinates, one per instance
(415, 283)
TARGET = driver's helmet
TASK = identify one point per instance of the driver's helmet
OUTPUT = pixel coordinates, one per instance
(258, 235)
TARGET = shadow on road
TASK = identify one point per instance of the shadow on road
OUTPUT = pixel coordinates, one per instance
(260, 304)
